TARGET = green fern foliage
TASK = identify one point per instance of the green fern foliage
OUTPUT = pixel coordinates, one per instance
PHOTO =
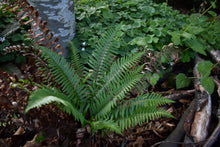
(140, 109)
(42, 97)
(101, 59)
(98, 95)
(107, 125)
(75, 59)
(64, 74)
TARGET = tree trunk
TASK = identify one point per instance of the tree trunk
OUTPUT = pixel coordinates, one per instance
(60, 18)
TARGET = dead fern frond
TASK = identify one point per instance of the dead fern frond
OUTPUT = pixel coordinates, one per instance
(39, 31)
(153, 62)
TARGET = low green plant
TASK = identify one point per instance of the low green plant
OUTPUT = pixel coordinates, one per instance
(40, 138)
(146, 23)
(204, 69)
(98, 94)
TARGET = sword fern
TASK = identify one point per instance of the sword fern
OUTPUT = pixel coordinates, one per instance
(98, 95)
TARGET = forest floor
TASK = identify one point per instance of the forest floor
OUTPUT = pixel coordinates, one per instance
(49, 126)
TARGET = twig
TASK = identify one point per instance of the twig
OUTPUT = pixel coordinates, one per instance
(212, 139)
(217, 83)
(179, 95)
(199, 128)
(182, 143)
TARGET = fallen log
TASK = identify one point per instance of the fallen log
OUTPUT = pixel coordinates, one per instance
(177, 136)
(197, 132)
(180, 95)
(214, 136)
(193, 125)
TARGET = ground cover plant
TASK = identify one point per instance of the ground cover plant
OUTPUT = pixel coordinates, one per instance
(145, 23)
(148, 25)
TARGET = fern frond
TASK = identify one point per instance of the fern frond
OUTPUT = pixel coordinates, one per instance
(101, 59)
(141, 102)
(121, 79)
(117, 70)
(64, 74)
(140, 116)
(42, 97)
(108, 125)
(117, 92)
(75, 58)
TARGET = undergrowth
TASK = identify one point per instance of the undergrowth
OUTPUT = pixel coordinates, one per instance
(94, 87)
(146, 24)
(151, 26)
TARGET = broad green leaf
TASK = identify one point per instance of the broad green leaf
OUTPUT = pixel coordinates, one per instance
(157, 32)
(149, 10)
(154, 78)
(107, 14)
(175, 38)
(187, 55)
(126, 27)
(187, 35)
(212, 13)
(213, 4)
(205, 68)
(130, 33)
(196, 45)
(195, 29)
(91, 10)
(137, 23)
(155, 39)
(182, 81)
(146, 30)
(208, 84)
(149, 38)
(139, 41)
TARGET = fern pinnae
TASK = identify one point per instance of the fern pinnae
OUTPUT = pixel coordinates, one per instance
(99, 93)
(119, 92)
(117, 70)
(139, 117)
(121, 82)
(103, 53)
(105, 124)
(63, 73)
(75, 57)
(45, 96)
(142, 102)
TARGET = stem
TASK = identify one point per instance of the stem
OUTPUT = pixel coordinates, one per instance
(199, 16)
(193, 78)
